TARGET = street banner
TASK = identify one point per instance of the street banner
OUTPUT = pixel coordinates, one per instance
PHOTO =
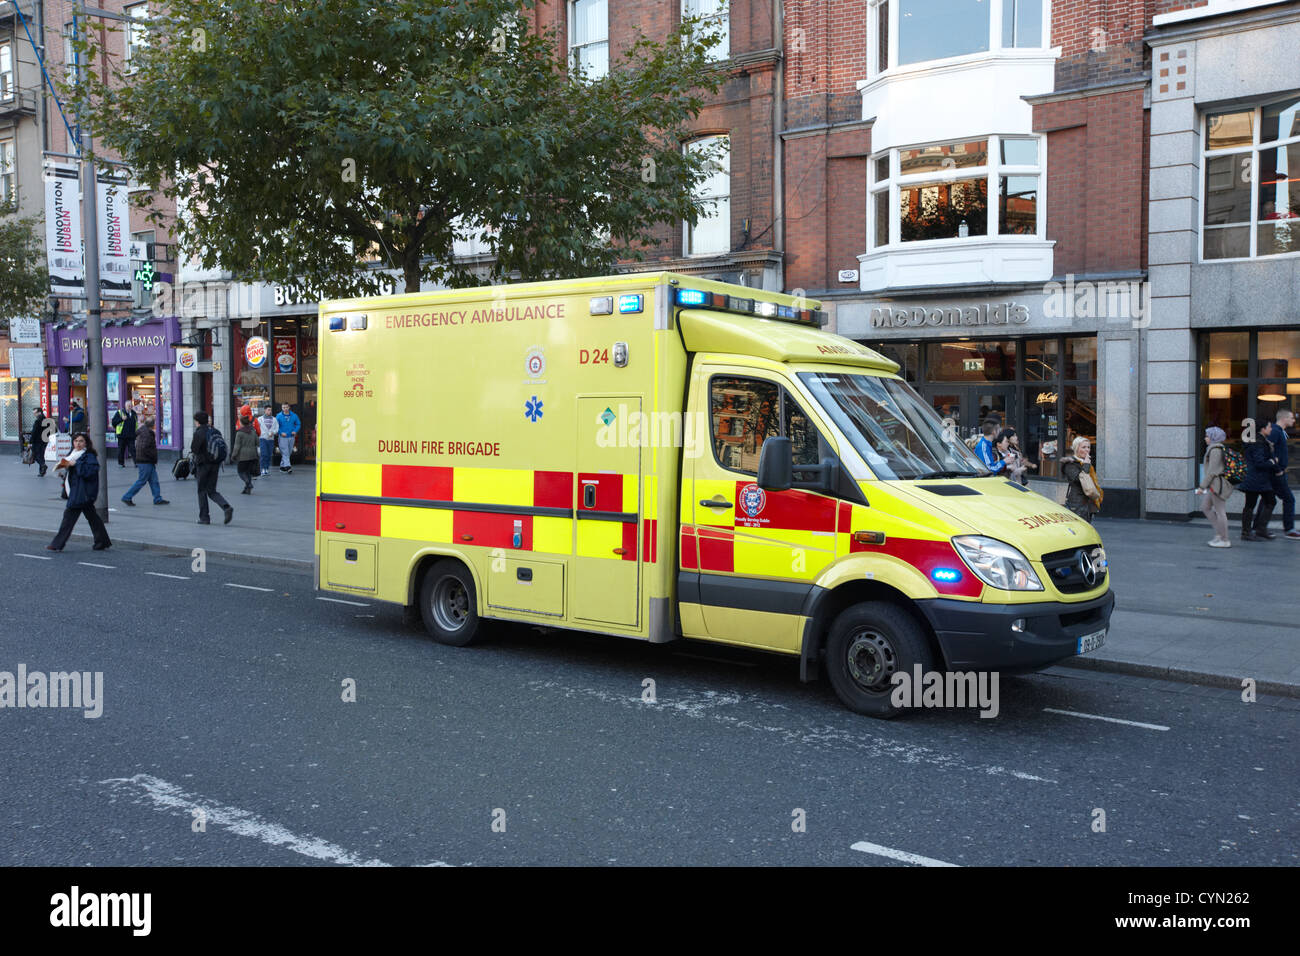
(45, 394)
(114, 237)
(25, 331)
(26, 363)
(63, 232)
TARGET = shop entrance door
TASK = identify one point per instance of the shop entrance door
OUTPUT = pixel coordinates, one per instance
(969, 405)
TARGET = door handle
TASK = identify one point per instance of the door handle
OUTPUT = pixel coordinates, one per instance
(715, 503)
(589, 496)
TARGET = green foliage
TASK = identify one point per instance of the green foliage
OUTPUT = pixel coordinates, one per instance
(298, 136)
(24, 282)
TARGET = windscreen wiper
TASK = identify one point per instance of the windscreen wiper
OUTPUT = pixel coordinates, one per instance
(948, 474)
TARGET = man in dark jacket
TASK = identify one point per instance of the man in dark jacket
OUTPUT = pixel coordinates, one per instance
(146, 465)
(83, 489)
(1261, 471)
(1285, 419)
(126, 434)
(206, 470)
(42, 429)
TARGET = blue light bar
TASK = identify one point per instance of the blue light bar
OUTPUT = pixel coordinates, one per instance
(692, 297)
(338, 323)
(946, 575)
(628, 304)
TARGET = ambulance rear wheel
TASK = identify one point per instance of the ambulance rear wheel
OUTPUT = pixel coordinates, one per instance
(449, 605)
(867, 645)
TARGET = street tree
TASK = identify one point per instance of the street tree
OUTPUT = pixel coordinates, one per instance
(298, 138)
(24, 282)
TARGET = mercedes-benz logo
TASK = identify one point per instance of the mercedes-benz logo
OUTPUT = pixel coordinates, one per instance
(1087, 568)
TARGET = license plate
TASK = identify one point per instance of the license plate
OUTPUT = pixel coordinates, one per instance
(1090, 642)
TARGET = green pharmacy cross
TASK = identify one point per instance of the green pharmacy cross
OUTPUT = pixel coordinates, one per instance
(145, 276)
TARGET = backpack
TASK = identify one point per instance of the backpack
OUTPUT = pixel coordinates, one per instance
(1234, 466)
(181, 469)
(217, 448)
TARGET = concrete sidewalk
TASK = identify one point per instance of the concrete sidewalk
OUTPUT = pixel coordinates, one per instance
(1184, 611)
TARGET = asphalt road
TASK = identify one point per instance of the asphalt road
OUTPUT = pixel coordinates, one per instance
(225, 698)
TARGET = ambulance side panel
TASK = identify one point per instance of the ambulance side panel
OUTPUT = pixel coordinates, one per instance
(497, 426)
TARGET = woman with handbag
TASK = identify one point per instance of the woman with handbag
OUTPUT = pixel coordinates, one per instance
(1083, 495)
(1214, 488)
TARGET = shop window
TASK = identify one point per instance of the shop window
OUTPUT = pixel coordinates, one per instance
(137, 33)
(1041, 439)
(905, 32)
(907, 355)
(1042, 360)
(744, 413)
(1080, 404)
(589, 38)
(715, 17)
(971, 361)
(1252, 182)
(942, 191)
(1081, 357)
(711, 233)
(1249, 375)
(10, 418)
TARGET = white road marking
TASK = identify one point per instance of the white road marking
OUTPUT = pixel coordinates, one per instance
(900, 855)
(91, 564)
(170, 798)
(755, 713)
(1111, 720)
(35, 557)
(248, 587)
(341, 601)
(177, 577)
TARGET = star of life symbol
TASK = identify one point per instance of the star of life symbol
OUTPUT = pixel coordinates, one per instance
(533, 409)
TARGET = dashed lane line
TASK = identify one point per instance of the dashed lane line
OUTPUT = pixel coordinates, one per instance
(341, 601)
(901, 855)
(248, 587)
(174, 577)
(1109, 720)
(169, 798)
(92, 564)
(34, 557)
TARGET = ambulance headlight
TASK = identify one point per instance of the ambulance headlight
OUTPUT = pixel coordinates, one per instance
(996, 563)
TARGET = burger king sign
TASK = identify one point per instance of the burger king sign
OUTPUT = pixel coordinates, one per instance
(255, 352)
(187, 359)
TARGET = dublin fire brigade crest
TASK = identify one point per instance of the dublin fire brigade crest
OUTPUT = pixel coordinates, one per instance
(752, 500)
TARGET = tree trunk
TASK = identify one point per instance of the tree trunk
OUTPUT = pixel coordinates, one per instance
(411, 272)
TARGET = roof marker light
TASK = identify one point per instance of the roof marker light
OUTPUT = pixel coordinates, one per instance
(338, 323)
(765, 309)
(692, 297)
(602, 305)
(629, 304)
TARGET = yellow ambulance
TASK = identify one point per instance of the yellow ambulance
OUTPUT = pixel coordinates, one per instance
(659, 456)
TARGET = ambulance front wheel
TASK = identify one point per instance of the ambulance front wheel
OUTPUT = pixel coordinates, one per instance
(867, 645)
(449, 605)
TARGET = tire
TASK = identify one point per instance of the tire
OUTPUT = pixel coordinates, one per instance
(867, 644)
(449, 604)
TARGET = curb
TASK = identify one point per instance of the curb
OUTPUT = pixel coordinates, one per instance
(1180, 674)
(288, 564)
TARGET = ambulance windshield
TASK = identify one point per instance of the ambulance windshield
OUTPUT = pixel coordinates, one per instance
(893, 429)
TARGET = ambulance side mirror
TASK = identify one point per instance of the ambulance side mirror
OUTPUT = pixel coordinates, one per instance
(776, 465)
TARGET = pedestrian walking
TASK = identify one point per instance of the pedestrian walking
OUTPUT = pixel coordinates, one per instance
(267, 430)
(1285, 419)
(146, 464)
(1261, 473)
(42, 430)
(984, 447)
(1083, 493)
(1214, 488)
(207, 468)
(81, 469)
(244, 453)
(124, 424)
(1008, 449)
(76, 419)
(290, 424)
